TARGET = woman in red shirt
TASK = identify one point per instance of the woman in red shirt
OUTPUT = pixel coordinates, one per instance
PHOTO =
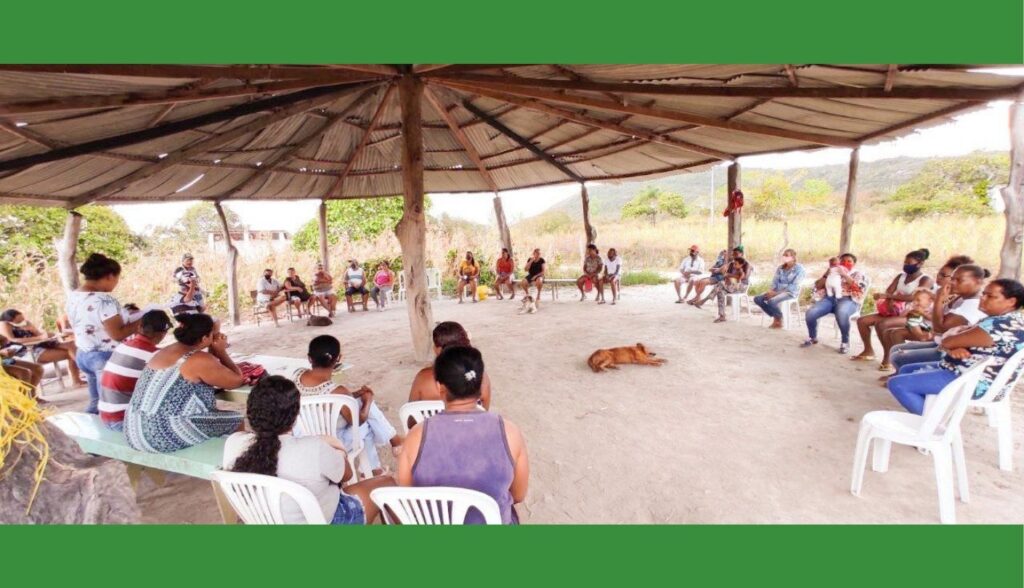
(505, 268)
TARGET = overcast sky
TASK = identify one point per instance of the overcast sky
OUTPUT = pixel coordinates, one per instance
(982, 130)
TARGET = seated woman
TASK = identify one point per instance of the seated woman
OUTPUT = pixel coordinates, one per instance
(468, 275)
(785, 286)
(844, 289)
(889, 304)
(736, 278)
(40, 347)
(295, 290)
(383, 284)
(1000, 336)
(317, 463)
(504, 271)
(324, 358)
(961, 289)
(535, 268)
(26, 371)
(463, 446)
(699, 282)
(173, 406)
(445, 335)
(592, 265)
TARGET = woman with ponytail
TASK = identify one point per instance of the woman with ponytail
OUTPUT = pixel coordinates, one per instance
(464, 446)
(173, 406)
(317, 463)
(446, 334)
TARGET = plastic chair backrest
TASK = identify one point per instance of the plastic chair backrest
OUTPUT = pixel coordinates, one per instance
(418, 411)
(257, 498)
(942, 416)
(433, 278)
(320, 415)
(435, 505)
(1006, 379)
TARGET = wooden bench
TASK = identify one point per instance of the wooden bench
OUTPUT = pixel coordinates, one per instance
(198, 462)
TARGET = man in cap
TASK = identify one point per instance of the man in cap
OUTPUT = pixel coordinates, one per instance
(691, 269)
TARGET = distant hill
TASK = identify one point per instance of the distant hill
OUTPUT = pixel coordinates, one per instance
(875, 180)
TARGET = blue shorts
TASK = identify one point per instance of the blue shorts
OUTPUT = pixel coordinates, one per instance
(350, 511)
(715, 278)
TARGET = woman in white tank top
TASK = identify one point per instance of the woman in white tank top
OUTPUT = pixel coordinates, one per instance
(889, 304)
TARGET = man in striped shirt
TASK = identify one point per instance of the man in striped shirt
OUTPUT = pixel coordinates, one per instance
(125, 366)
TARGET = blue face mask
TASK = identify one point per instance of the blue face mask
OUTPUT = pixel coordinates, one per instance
(910, 268)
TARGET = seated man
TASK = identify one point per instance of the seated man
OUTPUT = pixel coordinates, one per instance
(125, 366)
(612, 276)
(785, 286)
(355, 283)
(269, 293)
(187, 278)
(592, 265)
(323, 289)
(735, 279)
(691, 267)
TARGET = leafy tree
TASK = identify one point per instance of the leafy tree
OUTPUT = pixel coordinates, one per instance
(951, 186)
(32, 230)
(652, 202)
(355, 220)
(201, 218)
(774, 198)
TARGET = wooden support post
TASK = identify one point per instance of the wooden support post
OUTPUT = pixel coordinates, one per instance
(322, 218)
(232, 267)
(1013, 196)
(846, 230)
(412, 228)
(735, 218)
(499, 214)
(588, 229)
(67, 248)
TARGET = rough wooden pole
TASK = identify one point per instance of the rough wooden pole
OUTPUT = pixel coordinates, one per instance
(67, 248)
(412, 228)
(735, 218)
(322, 217)
(1013, 196)
(499, 213)
(846, 230)
(232, 267)
(588, 228)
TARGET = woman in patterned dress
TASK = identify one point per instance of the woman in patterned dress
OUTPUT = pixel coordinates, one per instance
(173, 406)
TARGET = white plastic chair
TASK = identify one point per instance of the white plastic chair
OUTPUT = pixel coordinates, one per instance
(790, 308)
(437, 505)
(735, 300)
(433, 283)
(996, 403)
(320, 415)
(257, 498)
(937, 431)
(418, 411)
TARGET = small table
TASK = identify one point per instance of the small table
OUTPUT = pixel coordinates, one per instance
(275, 366)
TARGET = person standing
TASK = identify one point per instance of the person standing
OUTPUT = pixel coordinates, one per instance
(692, 268)
(187, 278)
(785, 286)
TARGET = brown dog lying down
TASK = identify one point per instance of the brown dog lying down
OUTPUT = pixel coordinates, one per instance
(603, 359)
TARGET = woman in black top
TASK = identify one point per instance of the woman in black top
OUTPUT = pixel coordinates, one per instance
(296, 292)
(535, 270)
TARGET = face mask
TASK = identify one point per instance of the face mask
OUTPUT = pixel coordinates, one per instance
(267, 276)
(847, 264)
(787, 259)
(20, 325)
(909, 268)
(693, 254)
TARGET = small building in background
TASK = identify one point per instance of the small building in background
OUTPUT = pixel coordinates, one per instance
(251, 242)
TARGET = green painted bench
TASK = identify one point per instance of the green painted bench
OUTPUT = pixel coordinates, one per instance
(198, 462)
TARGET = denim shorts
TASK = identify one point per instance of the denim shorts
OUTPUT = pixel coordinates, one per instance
(350, 511)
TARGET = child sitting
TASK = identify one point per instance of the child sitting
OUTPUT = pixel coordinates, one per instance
(324, 357)
(918, 314)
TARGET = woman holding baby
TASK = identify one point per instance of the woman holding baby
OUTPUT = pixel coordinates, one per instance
(842, 291)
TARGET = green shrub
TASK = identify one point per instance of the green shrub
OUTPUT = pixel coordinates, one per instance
(643, 278)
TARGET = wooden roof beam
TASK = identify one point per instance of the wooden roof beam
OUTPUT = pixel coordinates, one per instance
(336, 187)
(461, 137)
(791, 74)
(317, 74)
(890, 77)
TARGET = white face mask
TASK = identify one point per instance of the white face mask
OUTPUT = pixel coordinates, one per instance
(20, 325)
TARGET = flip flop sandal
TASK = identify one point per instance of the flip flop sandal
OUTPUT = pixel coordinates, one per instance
(885, 367)
(863, 358)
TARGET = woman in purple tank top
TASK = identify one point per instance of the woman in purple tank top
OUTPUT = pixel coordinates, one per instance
(465, 447)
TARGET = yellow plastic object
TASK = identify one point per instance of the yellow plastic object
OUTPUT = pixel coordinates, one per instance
(482, 292)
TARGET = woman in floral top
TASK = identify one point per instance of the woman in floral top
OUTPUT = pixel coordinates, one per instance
(95, 317)
(844, 288)
(998, 336)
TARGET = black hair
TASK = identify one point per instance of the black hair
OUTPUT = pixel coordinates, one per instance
(976, 271)
(957, 261)
(291, 269)
(919, 255)
(272, 408)
(153, 322)
(450, 334)
(131, 306)
(505, 250)
(192, 328)
(1011, 289)
(592, 246)
(98, 266)
(850, 255)
(461, 370)
(9, 314)
(324, 350)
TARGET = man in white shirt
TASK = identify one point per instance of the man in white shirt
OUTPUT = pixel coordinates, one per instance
(692, 268)
(269, 293)
(612, 274)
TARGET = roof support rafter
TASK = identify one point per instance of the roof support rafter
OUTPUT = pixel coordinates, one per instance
(335, 190)
(461, 137)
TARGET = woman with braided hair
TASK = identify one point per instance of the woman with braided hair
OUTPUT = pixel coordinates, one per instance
(317, 463)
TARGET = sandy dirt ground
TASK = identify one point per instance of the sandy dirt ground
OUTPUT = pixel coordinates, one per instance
(741, 426)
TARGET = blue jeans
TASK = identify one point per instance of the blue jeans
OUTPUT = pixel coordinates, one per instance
(91, 364)
(770, 306)
(914, 352)
(843, 308)
(916, 381)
